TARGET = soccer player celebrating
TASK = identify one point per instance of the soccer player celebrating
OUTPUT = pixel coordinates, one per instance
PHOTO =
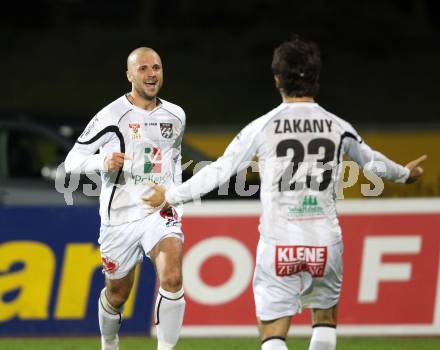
(300, 146)
(139, 140)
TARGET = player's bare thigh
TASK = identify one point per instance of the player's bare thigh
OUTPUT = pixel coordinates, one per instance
(167, 258)
(325, 316)
(274, 328)
(118, 290)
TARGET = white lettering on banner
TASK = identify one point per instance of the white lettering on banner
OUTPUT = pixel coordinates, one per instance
(374, 271)
(242, 270)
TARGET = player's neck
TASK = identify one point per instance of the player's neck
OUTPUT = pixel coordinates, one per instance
(143, 103)
(292, 99)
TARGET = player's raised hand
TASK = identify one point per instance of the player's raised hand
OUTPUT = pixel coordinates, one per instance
(115, 161)
(415, 171)
(157, 198)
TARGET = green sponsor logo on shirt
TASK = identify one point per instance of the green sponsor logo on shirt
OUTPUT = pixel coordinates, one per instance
(309, 207)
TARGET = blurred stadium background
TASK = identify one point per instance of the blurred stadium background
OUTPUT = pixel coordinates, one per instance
(62, 61)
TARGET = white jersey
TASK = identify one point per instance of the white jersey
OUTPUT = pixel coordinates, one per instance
(299, 147)
(151, 140)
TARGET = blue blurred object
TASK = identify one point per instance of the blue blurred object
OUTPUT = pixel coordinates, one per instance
(41, 277)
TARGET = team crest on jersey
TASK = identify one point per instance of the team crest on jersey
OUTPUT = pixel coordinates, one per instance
(291, 259)
(171, 216)
(110, 265)
(169, 212)
(135, 132)
(166, 129)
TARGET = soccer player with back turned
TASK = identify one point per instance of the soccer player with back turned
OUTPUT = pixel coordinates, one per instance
(139, 140)
(300, 147)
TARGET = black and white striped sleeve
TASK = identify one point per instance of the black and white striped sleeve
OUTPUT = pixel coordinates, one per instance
(82, 158)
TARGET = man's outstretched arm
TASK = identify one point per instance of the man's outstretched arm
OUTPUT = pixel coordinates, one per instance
(382, 166)
(237, 156)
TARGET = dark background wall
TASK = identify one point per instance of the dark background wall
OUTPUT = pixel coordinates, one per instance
(65, 59)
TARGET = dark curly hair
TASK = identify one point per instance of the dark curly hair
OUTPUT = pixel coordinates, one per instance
(297, 64)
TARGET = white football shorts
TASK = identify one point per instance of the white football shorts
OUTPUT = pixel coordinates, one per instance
(123, 246)
(288, 278)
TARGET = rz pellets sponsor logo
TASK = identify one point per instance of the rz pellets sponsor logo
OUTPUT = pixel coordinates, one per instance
(152, 160)
(146, 178)
(308, 209)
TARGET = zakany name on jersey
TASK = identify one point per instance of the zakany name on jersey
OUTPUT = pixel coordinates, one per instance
(302, 125)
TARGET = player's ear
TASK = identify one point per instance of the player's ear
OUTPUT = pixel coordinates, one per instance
(129, 76)
(277, 81)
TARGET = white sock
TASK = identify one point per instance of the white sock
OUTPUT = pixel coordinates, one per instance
(274, 343)
(323, 338)
(110, 320)
(169, 317)
(164, 346)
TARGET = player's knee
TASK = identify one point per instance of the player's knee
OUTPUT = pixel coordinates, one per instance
(118, 300)
(172, 282)
(117, 296)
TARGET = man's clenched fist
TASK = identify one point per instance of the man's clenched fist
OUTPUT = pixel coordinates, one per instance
(115, 161)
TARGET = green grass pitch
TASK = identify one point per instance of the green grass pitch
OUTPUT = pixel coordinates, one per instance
(142, 343)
